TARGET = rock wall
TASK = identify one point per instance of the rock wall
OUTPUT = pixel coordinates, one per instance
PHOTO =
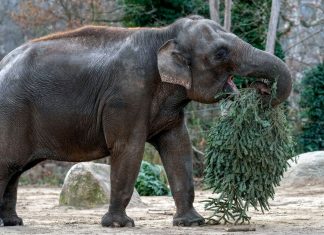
(302, 38)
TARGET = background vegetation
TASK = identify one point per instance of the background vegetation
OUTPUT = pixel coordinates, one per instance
(151, 180)
(311, 137)
(159, 12)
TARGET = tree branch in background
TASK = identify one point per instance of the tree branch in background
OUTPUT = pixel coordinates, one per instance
(303, 40)
(227, 15)
(273, 23)
(40, 17)
(214, 10)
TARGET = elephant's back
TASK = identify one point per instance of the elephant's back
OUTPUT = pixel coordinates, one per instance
(12, 60)
(12, 68)
(90, 34)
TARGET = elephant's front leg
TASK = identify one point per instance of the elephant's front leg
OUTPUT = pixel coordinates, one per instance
(125, 165)
(176, 153)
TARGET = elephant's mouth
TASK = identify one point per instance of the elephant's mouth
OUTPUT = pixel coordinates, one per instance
(261, 85)
(229, 86)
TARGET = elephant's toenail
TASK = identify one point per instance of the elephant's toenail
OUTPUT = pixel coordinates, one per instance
(115, 224)
(129, 224)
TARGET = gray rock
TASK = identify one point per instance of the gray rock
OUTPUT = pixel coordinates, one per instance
(308, 171)
(87, 185)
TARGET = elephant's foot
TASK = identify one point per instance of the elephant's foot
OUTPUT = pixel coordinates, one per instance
(190, 218)
(13, 220)
(117, 220)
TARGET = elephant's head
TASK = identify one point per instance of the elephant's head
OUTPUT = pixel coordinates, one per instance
(203, 57)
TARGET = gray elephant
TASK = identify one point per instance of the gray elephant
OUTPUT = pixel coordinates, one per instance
(96, 91)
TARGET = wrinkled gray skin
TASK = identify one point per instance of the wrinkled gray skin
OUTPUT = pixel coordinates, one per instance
(98, 91)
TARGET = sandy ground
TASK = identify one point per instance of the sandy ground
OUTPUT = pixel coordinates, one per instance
(292, 212)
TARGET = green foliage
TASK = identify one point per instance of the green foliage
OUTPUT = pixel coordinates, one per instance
(247, 154)
(250, 21)
(312, 110)
(151, 180)
(160, 12)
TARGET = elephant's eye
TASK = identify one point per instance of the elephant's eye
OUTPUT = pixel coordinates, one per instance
(221, 53)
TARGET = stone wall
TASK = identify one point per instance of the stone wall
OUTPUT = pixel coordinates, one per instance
(302, 38)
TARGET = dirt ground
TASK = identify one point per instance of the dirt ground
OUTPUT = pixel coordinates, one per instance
(292, 212)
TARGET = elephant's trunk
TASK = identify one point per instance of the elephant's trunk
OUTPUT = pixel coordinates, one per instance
(261, 64)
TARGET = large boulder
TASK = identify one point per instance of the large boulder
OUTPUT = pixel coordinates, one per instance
(308, 171)
(87, 185)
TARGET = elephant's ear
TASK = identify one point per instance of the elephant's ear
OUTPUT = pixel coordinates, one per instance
(173, 66)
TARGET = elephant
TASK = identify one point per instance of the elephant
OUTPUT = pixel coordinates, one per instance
(95, 91)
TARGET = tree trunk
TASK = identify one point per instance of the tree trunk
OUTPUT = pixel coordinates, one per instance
(272, 29)
(214, 10)
(227, 15)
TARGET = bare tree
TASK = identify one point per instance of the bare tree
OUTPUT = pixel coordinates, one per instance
(272, 29)
(39, 17)
(227, 15)
(214, 10)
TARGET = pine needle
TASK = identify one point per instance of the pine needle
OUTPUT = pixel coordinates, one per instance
(247, 154)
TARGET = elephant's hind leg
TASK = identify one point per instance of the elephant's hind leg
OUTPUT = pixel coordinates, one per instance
(15, 155)
(8, 210)
(4, 179)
